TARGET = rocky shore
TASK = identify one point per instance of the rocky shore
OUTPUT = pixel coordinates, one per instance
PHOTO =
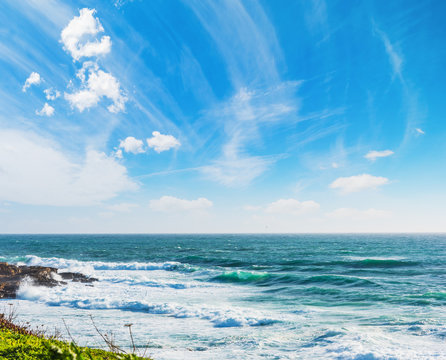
(11, 277)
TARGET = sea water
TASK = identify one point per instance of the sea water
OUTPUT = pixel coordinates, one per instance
(360, 297)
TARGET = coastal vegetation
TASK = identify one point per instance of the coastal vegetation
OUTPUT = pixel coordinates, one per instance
(19, 342)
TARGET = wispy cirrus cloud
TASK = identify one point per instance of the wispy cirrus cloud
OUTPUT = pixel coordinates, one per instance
(260, 98)
(395, 57)
(237, 171)
(257, 49)
(409, 92)
(244, 117)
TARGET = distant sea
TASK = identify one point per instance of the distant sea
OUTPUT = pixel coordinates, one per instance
(361, 297)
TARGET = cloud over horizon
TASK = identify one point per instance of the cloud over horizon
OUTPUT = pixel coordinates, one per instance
(358, 183)
(172, 204)
(292, 206)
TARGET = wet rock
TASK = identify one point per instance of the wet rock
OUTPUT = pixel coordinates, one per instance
(77, 277)
(11, 277)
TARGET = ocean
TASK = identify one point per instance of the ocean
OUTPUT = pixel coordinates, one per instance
(361, 297)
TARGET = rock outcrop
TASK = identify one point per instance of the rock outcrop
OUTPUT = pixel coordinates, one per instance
(12, 275)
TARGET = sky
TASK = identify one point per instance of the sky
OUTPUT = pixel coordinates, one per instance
(222, 116)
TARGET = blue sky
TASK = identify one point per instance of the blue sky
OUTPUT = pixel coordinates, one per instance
(222, 116)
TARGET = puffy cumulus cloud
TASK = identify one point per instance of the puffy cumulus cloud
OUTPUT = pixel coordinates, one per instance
(358, 183)
(33, 79)
(351, 213)
(51, 94)
(160, 142)
(97, 84)
(104, 84)
(83, 99)
(173, 204)
(47, 110)
(131, 145)
(373, 155)
(34, 171)
(292, 206)
(79, 37)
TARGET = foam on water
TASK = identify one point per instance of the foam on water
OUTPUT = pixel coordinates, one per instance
(87, 267)
(220, 317)
(127, 291)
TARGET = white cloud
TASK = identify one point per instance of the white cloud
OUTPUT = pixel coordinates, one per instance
(79, 37)
(350, 213)
(373, 155)
(395, 58)
(173, 204)
(292, 206)
(118, 154)
(83, 99)
(419, 131)
(99, 84)
(160, 142)
(132, 145)
(122, 207)
(51, 94)
(34, 171)
(104, 84)
(47, 110)
(358, 183)
(33, 79)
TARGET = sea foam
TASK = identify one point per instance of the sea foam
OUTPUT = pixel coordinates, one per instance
(81, 297)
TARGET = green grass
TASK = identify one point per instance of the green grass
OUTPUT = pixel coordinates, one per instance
(15, 344)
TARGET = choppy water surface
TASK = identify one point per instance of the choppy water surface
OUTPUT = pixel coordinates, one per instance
(246, 296)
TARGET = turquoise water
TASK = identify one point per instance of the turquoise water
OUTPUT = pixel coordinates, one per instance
(248, 296)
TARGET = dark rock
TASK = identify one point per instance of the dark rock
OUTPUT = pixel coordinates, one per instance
(11, 276)
(77, 277)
